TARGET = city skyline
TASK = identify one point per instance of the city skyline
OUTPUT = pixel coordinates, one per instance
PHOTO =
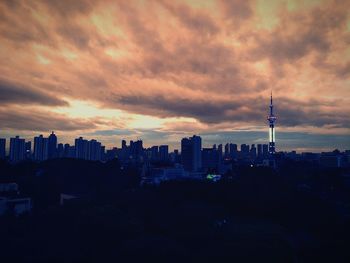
(164, 70)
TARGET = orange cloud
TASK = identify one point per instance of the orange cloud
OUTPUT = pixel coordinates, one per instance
(214, 63)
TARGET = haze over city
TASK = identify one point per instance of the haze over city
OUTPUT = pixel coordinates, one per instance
(164, 70)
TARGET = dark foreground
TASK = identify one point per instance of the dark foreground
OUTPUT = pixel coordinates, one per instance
(299, 214)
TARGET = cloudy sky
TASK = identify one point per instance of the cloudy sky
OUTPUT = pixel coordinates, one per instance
(161, 70)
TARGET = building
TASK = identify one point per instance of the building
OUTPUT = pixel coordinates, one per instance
(154, 153)
(227, 151)
(210, 159)
(271, 119)
(60, 150)
(81, 148)
(265, 148)
(17, 149)
(2, 148)
(88, 150)
(41, 148)
(52, 146)
(260, 151)
(28, 150)
(11, 202)
(244, 151)
(233, 150)
(94, 150)
(163, 152)
(252, 152)
(191, 156)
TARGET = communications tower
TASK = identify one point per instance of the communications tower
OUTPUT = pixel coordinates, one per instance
(271, 119)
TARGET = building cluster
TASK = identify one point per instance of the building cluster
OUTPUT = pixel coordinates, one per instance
(192, 156)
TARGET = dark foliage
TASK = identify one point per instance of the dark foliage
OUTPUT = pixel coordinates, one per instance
(297, 214)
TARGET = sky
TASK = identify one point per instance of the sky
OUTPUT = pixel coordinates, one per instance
(163, 70)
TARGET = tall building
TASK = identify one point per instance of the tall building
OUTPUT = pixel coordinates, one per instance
(52, 147)
(233, 150)
(197, 153)
(28, 149)
(227, 150)
(220, 152)
(81, 146)
(271, 119)
(88, 150)
(94, 150)
(265, 150)
(244, 150)
(210, 159)
(2, 148)
(154, 153)
(260, 151)
(163, 152)
(17, 149)
(191, 156)
(41, 148)
(60, 150)
(252, 152)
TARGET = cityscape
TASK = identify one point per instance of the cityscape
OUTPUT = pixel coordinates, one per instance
(191, 157)
(174, 131)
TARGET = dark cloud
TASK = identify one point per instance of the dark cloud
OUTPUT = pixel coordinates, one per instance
(14, 29)
(237, 10)
(300, 33)
(290, 112)
(195, 20)
(171, 59)
(67, 8)
(35, 120)
(75, 34)
(11, 93)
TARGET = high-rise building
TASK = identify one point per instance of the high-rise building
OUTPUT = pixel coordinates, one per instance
(210, 159)
(244, 150)
(154, 153)
(220, 152)
(52, 146)
(17, 149)
(164, 152)
(260, 151)
(191, 156)
(81, 148)
(186, 154)
(28, 149)
(60, 150)
(271, 119)
(233, 150)
(88, 150)
(94, 150)
(66, 150)
(197, 153)
(265, 150)
(2, 148)
(41, 148)
(252, 152)
(123, 144)
(227, 150)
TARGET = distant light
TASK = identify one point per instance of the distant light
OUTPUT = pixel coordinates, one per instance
(213, 177)
(251, 165)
